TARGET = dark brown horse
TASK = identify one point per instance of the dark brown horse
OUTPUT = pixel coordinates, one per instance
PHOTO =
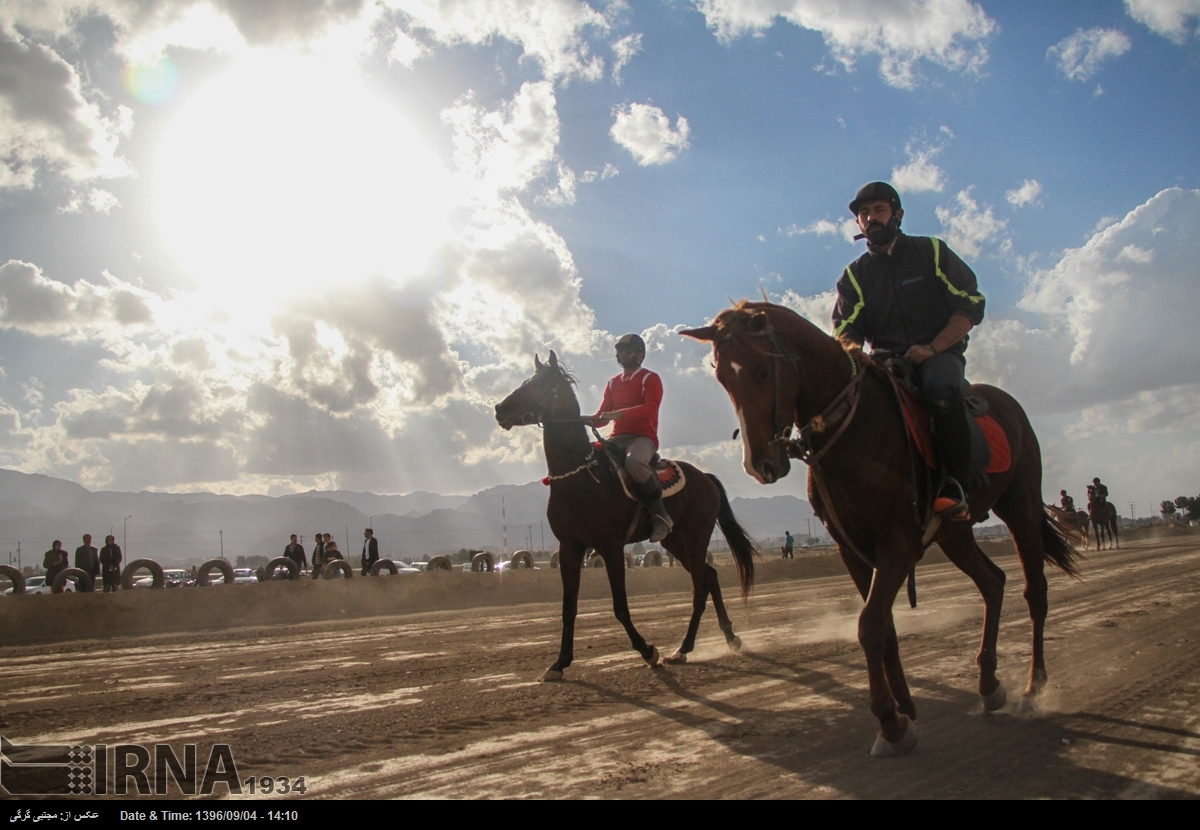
(589, 509)
(781, 371)
(1104, 521)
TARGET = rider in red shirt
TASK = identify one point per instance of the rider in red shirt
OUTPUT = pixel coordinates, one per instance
(631, 401)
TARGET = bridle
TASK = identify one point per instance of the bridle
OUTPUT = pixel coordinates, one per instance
(537, 411)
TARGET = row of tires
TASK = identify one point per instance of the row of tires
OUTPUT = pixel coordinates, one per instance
(337, 569)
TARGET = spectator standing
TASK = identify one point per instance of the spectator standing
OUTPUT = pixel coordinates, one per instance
(295, 552)
(110, 564)
(331, 550)
(370, 551)
(318, 555)
(789, 545)
(87, 559)
(55, 561)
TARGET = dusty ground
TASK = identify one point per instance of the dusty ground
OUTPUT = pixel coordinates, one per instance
(444, 703)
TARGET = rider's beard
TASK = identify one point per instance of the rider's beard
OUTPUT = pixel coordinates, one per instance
(632, 363)
(881, 235)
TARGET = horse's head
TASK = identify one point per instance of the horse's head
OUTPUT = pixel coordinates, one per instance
(760, 351)
(546, 394)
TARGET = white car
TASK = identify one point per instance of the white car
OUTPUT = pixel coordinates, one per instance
(175, 578)
(244, 576)
(37, 585)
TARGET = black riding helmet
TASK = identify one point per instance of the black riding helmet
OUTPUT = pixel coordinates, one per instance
(633, 341)
(876, 190)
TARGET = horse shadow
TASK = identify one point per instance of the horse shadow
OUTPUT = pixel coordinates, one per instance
(963, 753)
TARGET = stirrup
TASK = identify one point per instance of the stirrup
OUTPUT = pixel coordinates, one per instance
(953, 506)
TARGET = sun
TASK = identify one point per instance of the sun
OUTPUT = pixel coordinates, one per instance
(286, 174)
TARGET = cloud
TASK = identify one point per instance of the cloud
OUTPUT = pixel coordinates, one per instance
(1026, 194)
(45, 120)
(1079, 56)
(947, 33)
(1107, 317)
(100, 201)
(847, 229)
(920, 174)
(967, 228)
(646, 133)
(34, 303)
(623, 52)
(1169, 18)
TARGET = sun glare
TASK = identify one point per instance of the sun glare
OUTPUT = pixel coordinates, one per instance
(285, 174)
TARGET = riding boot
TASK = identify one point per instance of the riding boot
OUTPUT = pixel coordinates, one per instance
(660, 520)
(952, 438)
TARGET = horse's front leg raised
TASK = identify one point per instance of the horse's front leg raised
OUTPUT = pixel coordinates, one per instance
(876, 635)
(614, 564)
(570, 562)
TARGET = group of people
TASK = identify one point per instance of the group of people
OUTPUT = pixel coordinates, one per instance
(1097, 494)
(325, 550)
(105, 563)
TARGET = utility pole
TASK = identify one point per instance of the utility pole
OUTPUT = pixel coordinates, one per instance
(347, 526)
(1132, 517)
(543, 524)
(222, 543)
(530, 533)
(125, 536)
(504, 523)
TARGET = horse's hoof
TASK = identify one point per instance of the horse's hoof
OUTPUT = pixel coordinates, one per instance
(655, 658)
(678, 658)
(551, 676)
(886, 749)
(735, 645)
(995, 700)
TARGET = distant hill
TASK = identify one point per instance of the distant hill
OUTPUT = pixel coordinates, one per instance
(185, 528)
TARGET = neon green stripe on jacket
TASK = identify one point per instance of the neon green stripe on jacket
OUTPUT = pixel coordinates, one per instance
(857, 306)
(937, 267)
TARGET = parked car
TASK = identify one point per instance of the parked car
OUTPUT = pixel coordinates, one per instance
(175, 578)
(37, 585)
(244, 576)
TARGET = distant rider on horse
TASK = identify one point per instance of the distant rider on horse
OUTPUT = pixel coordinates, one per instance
(1068, 503)
(913, 297)
(1097, 492)
(631, 401)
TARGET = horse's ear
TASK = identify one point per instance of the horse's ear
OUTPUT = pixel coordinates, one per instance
(553, 360)
(707, 333)
(759, 321)
(537, 363)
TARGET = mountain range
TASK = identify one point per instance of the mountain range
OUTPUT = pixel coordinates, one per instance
(187, 528)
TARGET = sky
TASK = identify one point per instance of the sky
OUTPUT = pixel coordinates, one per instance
(261, 246)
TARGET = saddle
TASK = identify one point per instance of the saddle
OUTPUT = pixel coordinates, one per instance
(670, 474)
(990, 451)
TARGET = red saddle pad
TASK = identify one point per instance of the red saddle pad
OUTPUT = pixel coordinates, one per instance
(917, 418)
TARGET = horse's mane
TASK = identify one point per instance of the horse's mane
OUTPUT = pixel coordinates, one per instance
(561, 371)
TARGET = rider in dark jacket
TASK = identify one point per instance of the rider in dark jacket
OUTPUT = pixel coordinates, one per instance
(914, 297)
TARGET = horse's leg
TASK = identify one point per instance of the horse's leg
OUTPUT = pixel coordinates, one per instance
(614, 564)
(862, 574)
(877, 636)
(1024, 522)
(1116, 526)
(963, 551)
(570, 562)
(677, 547)
(714, 589)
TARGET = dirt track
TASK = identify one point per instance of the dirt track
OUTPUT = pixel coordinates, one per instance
(444, 704)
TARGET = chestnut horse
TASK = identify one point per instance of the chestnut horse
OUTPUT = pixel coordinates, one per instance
(864, 483)
(589, 509)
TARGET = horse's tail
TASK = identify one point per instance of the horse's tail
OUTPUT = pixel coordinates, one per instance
(1054, 543)
(740, 544)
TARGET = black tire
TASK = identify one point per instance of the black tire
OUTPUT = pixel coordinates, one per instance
(211, 565)
(15, 576)
(554, 561)
(595, 561)
(653, 559)
(439, 563)
(155, 569)
(337, 566)
(382, 565)
(293, 570)
(82, 578)
(629, 563)
(522, 560)
(483, 563)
